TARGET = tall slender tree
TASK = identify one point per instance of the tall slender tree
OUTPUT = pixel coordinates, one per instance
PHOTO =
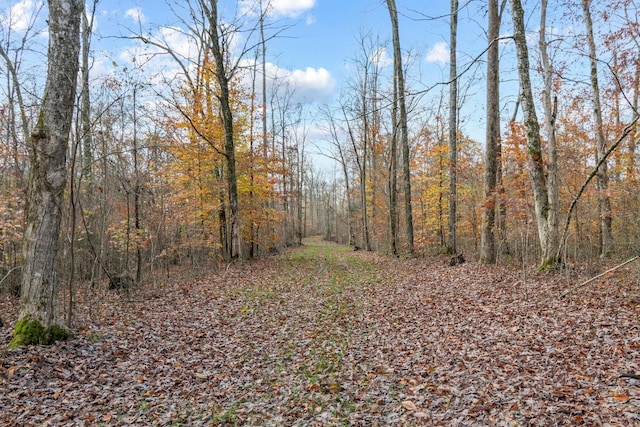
(549, 108)
(453, 128)
(85, 100)
(547, 227)
(393, 175)
(39, 319)
(403, 124)
(487, 241)
(602, 177)
(223, 75)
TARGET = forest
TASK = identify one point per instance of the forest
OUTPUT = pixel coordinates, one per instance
(416, 250)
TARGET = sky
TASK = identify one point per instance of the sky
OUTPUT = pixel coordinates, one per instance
(322, 35)
(315, 52)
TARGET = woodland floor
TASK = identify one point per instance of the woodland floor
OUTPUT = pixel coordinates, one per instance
(322, 335)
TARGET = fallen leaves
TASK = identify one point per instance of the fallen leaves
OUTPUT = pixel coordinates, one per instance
(409, 405)
(623, 397)
(328, 337)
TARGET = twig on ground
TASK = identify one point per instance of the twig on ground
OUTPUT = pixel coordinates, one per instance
(568, 291)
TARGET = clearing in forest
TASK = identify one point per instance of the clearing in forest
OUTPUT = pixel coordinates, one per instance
(322, 335)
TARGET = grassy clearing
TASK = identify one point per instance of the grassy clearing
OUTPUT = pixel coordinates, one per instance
(309, 303)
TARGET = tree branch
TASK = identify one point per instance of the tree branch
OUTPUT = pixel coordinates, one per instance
(626, 131)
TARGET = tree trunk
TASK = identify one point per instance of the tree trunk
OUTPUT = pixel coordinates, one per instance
(602, 178)
(404, 128)
(487, 240)
(631, 163)
(299, 191)
(363, 163)
(265, 134)
(85, 100)
(227, 124)
(550, 107)
(39, 306)
(393, 174)
(136, 189)
(252, 157)
(549, 245)
(453, 130)
(341, 158)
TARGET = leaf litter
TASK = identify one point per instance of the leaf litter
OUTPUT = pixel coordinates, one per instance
(324, 336)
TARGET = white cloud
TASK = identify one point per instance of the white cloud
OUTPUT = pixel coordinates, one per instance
(291, 8)
(308, 85)
(176, 39)
(313, 84)
(305, 85)
(135, 14)
(21, 15)
(439, 53)
(280, 8)
(381, 58)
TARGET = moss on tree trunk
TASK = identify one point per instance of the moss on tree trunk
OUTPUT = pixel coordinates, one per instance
(31, 332)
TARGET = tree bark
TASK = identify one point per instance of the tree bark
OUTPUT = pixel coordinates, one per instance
(404, 128)
(550, 107)
(85, 100)
(487, 240)
(602, 177)
(549, 246)
(227, 124)
(453, 129)
(631, 163)
(39, 306)
(393, 174)
(136, 189)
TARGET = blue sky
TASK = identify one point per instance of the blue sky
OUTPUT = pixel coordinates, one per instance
(315, 52)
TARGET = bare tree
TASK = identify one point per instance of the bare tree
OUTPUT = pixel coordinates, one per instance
(393, 174)
(360, 159)
(547, 226)
(602, 177)
(453, 128)
(223, 75)
(85, 100)
(487, 242)
(39, 306)
(359, 122)
(404, 129)
(339, 154)
(550, 108)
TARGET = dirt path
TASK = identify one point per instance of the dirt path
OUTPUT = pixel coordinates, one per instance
(323, 335)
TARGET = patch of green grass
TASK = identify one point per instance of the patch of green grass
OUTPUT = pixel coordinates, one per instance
(94, 338)
(143, 404)
(226, 417)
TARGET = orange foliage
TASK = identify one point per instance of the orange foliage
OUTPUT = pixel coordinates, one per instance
(196, 172)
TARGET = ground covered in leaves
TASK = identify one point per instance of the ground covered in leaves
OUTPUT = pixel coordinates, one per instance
(325, 336)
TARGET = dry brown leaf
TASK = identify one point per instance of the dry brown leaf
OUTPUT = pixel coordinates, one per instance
(361, 337)
(622, 397)
(409, 405)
